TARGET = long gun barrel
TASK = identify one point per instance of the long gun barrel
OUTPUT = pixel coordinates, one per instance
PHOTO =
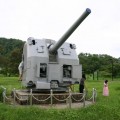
(70, 31)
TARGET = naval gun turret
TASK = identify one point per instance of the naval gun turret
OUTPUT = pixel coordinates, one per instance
(52, 65)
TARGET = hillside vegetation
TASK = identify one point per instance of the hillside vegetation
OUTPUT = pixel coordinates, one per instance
(10, 56)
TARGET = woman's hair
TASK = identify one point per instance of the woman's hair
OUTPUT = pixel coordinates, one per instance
(106, 81)
(83, 76)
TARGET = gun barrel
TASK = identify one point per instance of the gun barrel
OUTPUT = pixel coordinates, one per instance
(70, 31)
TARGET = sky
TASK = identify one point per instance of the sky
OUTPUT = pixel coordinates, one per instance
(99, 33)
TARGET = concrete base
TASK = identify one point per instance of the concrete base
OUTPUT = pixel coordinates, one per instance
(23, 97)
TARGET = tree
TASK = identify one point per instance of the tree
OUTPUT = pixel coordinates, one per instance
(10, 55)
(107, 65)
(14, 60)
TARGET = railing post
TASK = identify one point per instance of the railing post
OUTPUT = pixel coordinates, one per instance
(14, 96)
(93, 96)
(4, 94)
(21, 85)
(30, 96)
(84, 98)
(51, 97)
(70, 100)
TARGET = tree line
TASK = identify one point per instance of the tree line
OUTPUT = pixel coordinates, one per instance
(11, 55)
(105, 65)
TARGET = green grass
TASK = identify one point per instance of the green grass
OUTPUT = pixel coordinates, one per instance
(106, 108)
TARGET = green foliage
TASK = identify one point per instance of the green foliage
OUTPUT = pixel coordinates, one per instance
(8, 45)
(105, 64)
(10, 55)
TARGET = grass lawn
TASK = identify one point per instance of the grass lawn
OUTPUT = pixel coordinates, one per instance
(105, 108)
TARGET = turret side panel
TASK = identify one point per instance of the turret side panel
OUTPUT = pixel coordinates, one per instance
(77, 72)
(67, 52)
(54, 72)
(39, 49)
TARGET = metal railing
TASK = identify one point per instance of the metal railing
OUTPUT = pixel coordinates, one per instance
(70, 96)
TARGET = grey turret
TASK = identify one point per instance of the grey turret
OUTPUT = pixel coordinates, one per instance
(58, 44)
(57, 69)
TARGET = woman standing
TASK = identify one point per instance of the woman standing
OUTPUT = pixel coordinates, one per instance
(81, 86)
(105, 88)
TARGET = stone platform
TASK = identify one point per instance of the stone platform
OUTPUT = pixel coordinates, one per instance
(25, 97)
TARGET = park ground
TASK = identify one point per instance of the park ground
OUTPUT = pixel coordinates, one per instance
(105, 108)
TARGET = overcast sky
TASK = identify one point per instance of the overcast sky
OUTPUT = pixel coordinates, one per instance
(98, 34)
